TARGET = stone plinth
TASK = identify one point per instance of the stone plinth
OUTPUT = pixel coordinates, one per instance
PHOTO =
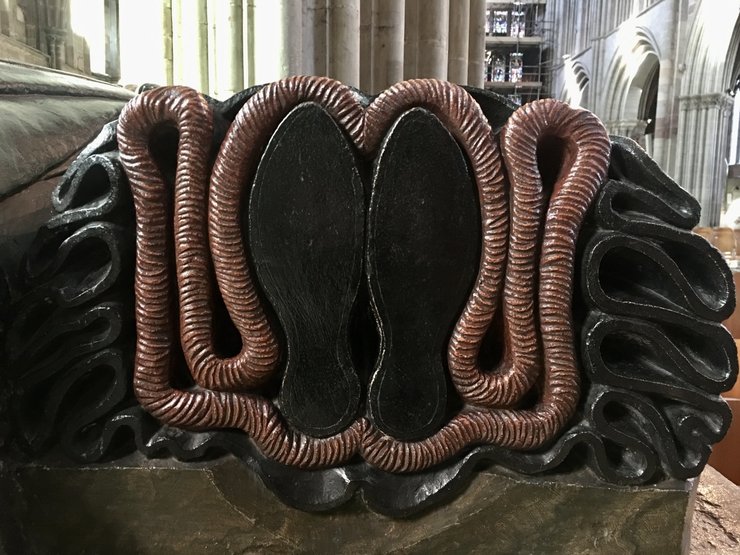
(164, 507)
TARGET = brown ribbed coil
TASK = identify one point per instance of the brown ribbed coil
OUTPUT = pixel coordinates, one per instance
(515, 247)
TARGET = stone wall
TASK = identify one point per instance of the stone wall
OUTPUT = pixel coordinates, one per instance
(607, 65)
(14, 50)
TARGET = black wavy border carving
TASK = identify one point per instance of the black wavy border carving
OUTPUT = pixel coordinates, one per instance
(651, 418)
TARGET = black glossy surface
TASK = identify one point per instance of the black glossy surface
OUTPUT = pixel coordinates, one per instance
(45, 117)
(422, 259)
(306, 236)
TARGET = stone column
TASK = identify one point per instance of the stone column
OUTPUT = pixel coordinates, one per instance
(718, 120)
(477, 43)
(277, 39)
(434, 22)
(8, 20)
(111, 30)
(167, 40)
(367, 24)
(344, 41)
(248, 42)
(680, 172)
(457, 62)
(704, 129)
(229, 66)
(211, 9)
(190, 44)
(57, 49)
(388, 45)
(664, 112)
(665, 125)
(292, 17)
(410, 39)
(315, 37)
(57, 24)
(308, 12)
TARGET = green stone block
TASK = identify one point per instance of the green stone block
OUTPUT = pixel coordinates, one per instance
(163, 507)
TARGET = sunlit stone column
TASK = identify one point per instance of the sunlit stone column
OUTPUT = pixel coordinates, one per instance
(167, 40)
(388, 43)
(411, 39)
(344, 41)
(665, 123)
(664, 113)
(190, 44)
(277, 39)
(367, 52)
(310, 11)
(229, 66)
(434, 22)
(248, 42)
(315, 37)
(457, 63)
(476, 42)
(292, 15)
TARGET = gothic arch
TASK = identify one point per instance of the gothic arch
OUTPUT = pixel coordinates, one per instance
(631, 70)
(575, 89)
(705, 107)
(706, 70)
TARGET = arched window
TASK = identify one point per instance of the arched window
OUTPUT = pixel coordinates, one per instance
(734, 154)
(20, 25)
(649, 108)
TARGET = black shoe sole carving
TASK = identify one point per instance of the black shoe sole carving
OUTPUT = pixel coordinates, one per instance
(306, 235)
(422, 258)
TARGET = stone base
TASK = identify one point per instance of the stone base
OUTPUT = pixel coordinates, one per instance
(165, 507)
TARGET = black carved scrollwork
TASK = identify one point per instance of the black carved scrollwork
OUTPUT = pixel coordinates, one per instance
(68, 346)
(653, 342)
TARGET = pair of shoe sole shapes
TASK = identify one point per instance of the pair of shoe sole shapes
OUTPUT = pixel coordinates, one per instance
(426, 237)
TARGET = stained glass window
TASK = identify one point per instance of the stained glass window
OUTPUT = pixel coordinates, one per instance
(499, 68)
(517, 23)
(515, 67)
(500, 22)
(516, 99)
(489, 21)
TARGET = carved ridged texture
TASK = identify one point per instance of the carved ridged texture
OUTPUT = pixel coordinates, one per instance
(587, 157)
(221, 405)
(217, 404)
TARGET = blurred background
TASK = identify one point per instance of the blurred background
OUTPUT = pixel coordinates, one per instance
(664, 72)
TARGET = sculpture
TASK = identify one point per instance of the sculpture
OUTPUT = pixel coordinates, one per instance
(360, 328)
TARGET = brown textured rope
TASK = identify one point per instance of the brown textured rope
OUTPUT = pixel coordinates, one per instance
(206, 408)
(235, 166)
(587, 149)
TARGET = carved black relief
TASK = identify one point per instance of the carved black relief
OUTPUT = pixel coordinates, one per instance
(647, 309)
(306, 222)
(422, 261)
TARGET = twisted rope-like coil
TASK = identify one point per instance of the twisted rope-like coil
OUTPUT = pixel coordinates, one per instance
(220, 404)
(215, 405)
(587, 156)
